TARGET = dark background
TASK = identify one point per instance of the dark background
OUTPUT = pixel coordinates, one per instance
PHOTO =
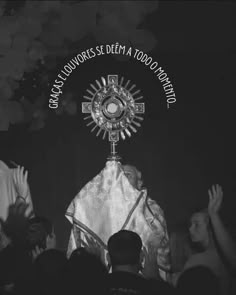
(181, 151)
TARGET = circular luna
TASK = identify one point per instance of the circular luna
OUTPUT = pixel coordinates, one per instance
(113, 108)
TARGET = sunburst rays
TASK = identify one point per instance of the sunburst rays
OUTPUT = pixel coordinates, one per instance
(112, 108)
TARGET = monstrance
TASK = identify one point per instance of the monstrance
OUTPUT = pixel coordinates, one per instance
(113, 109)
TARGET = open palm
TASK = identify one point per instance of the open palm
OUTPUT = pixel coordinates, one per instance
(215, 199)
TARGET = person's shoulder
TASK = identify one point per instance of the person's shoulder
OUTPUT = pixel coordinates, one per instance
(121, 274)
(202, 258)
(126, 276)
(160, 287)
(127, 283)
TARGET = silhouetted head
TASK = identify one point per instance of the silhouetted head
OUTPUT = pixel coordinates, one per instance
(125, 249)
(84, 272)
(50, 263)
(47, 272)
(40, 233)
(198, 280)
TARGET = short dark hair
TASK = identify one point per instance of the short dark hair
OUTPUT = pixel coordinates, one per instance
(84, 267)
(124, 248)
(37, 231)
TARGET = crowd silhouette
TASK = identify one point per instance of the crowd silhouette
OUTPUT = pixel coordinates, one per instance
(203, 258)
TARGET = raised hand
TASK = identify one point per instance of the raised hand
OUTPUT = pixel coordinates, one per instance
(223, 237)
(215, 199)
(16, 212)
(150, 269)
(95, 248)
(21, 181)
(36, 252)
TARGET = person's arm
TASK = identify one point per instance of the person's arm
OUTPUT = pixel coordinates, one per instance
(93, 247)
(223, 237)
(20, 179)
(150, 268)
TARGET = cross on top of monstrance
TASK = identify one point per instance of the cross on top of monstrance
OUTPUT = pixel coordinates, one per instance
(113, 109)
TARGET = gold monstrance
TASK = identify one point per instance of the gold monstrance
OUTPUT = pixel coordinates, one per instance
(113, 109)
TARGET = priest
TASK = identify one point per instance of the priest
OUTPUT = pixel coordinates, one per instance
(115, 200)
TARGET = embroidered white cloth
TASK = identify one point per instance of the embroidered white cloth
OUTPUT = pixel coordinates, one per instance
(109, 203)
(8, 193)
